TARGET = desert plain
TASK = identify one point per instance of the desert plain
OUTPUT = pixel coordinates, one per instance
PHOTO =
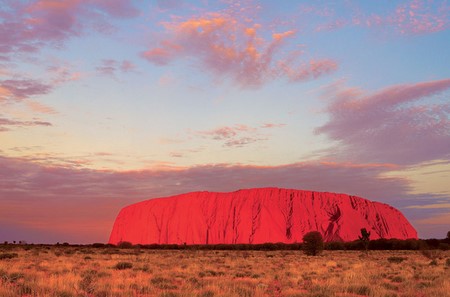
(82, 271)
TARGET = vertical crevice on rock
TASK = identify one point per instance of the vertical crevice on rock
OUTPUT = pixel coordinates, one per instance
(236, 222)
(287, 209)
(158, 227)
(290, 212)
(256, 211)
(209, 216)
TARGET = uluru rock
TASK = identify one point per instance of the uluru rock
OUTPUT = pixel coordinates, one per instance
(255, 216)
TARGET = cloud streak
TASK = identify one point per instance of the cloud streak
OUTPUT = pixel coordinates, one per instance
(19, 89)
(111, 67)
(238, 135)
(6, 123)
(402, 124)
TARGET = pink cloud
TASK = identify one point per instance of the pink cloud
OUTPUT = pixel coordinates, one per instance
(410, 17)
(232, 47)
(176, 155)
(6, 123)
(402, 124)
(63, 73)
(158, 56)
(226, 132)
(238, 135)
(107, 67)
(27, 26)
(243, 141)
(419, 17)
(41, 108)
(127, 66)
(19, 89)
(313, 70)
(272, 125)
(110, 67)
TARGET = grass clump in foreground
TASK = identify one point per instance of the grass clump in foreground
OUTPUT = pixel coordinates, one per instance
(64, 272)
(4, 256)
(123, 265)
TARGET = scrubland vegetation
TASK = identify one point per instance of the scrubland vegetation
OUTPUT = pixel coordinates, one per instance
(66, 271)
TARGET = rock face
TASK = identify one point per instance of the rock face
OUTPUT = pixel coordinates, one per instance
(256, 216)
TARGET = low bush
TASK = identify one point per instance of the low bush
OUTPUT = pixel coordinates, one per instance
(123, 265)
(313, 243)
(431, 254)
(396, 259)
(8, 256)
(125, 245)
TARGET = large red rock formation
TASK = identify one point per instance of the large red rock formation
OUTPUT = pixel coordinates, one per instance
(256, 216)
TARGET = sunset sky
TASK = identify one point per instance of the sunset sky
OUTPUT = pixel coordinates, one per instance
(104, 103)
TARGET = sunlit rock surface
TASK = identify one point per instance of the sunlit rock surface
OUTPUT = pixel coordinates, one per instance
(256, 216)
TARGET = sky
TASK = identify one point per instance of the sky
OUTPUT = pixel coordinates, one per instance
(104, 103)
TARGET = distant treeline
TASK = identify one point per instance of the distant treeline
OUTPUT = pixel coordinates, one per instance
(377, 244)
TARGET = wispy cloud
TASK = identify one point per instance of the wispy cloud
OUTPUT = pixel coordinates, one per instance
(5, 124)
(238, 135)
(420, 16)
(272, 125)
(40, 107)
(111, 67)
(231, 46)
(431, 206)
(441, 219)
(402, 124)
(412, 17)
(62, 72)
(19, 89)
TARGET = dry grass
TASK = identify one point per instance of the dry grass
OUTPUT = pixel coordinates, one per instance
(82, 271)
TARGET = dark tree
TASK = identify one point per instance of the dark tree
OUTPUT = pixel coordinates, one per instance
(125, 245)
(313, 243)
(365, 238)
